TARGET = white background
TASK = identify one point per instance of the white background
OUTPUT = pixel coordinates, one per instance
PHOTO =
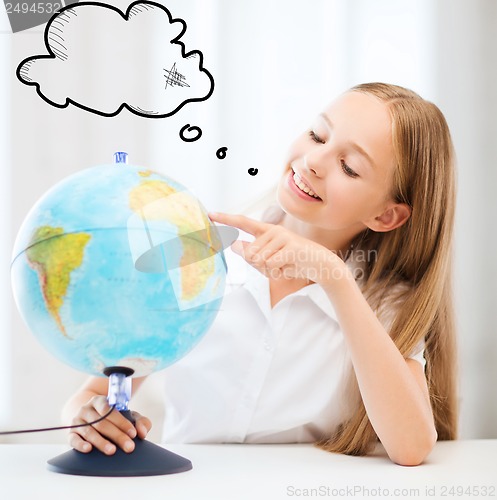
(275, 64)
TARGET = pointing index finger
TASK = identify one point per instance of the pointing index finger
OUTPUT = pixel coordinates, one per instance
(242, 222)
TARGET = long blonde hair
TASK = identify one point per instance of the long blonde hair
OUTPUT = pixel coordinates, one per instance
(419, 254)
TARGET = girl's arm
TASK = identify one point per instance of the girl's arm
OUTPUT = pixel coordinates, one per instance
(90, 403)
(393, 389)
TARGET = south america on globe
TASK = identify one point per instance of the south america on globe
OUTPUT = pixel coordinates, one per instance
(118, 265)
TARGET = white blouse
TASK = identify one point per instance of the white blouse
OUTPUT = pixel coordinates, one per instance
(262, 374)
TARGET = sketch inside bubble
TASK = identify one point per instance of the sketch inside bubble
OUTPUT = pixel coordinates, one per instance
(174, 78)
(104, 60)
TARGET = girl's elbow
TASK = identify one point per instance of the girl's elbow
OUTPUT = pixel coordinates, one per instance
(416, 452)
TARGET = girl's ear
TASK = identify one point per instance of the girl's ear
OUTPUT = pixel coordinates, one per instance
(391, 218)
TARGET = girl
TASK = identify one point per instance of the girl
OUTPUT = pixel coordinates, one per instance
(341, 329)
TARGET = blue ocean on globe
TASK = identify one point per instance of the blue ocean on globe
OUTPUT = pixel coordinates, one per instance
(117, 265)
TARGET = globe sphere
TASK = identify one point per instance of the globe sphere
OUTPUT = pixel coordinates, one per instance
(118, 266)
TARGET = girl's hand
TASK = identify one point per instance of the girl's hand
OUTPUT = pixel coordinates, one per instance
(279, 253)
(114, 430)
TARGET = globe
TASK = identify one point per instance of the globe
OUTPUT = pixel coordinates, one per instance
(118, 266)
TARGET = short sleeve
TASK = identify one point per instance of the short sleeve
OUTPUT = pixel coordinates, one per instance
(418, 353)
(387, 313)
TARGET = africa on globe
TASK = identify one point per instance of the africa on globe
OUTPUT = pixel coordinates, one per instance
(118, 265)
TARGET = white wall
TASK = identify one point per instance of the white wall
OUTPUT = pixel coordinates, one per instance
(467, 85)
(275, 64)
(5, 227)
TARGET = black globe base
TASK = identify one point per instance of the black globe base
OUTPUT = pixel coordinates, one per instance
(147, 459)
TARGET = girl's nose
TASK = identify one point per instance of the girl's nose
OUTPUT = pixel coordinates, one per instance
(313, 163)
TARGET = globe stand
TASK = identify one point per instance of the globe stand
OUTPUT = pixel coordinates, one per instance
(147, 459)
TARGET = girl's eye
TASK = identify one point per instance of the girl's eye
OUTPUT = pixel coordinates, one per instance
(348, 171)
(315, 137)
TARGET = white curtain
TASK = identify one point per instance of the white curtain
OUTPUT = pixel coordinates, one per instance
(5, 226)
(275, 64)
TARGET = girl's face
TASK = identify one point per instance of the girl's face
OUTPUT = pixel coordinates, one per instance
(339, 173)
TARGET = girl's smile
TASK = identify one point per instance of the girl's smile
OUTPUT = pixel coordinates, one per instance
(301, 187)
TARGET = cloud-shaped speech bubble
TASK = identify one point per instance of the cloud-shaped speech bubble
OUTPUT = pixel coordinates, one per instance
(103, 60)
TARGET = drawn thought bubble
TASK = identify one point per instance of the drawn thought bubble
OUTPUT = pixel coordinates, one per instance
(103, 60)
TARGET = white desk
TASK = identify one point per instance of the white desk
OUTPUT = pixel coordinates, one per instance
(262, 472)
